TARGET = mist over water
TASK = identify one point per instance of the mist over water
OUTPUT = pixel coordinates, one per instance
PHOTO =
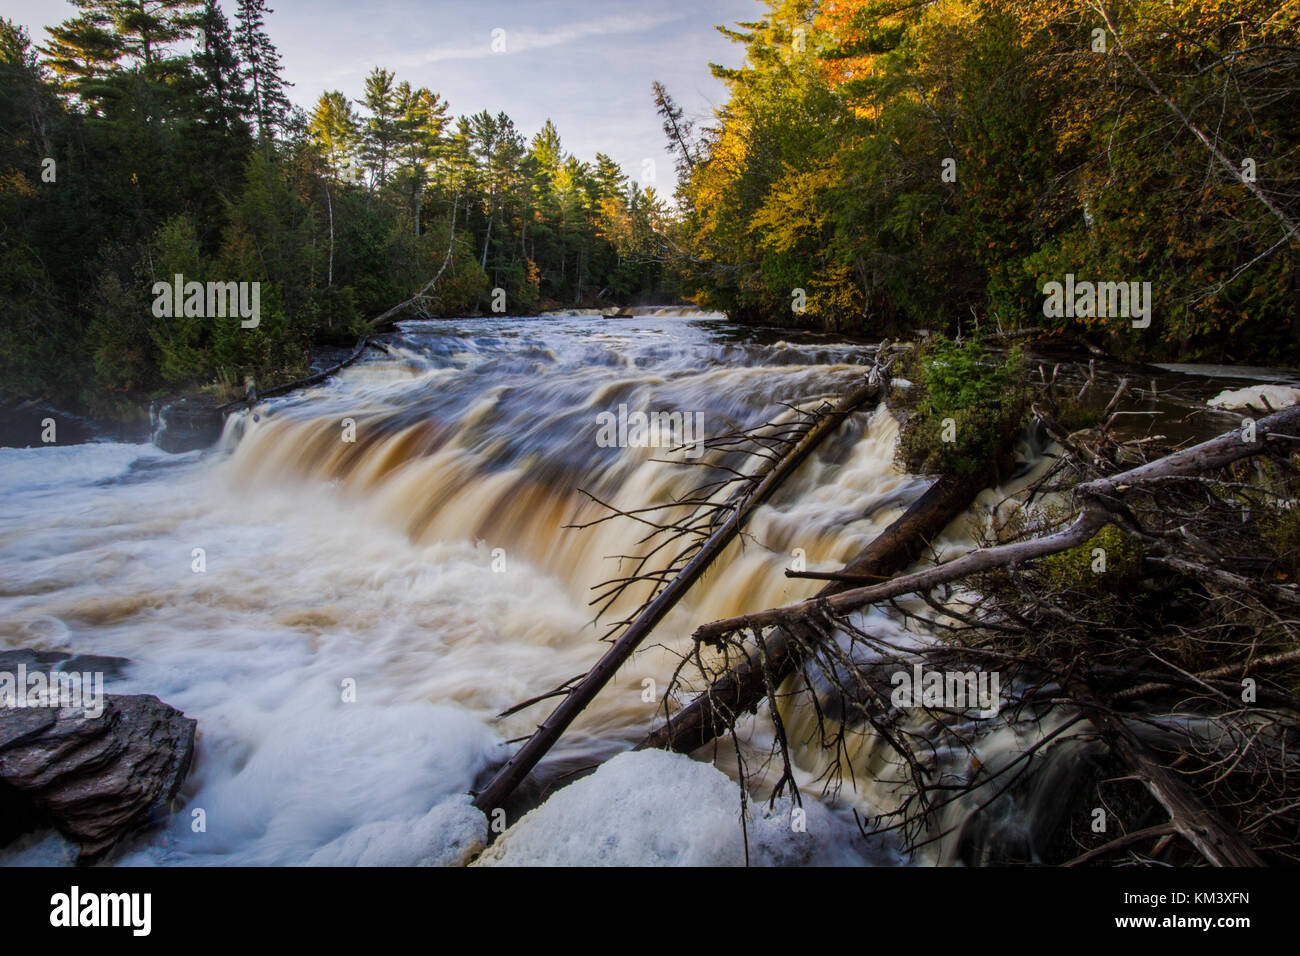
(427, 561)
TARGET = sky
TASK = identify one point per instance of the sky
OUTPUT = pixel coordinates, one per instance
(586, 64)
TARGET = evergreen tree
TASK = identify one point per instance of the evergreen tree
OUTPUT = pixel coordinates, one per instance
(380, 134)
(546, 149)
(147, 28)
(610, 181)
(335, 129)
(83, 52)
(223, 99)
(421, 119)
(266, 87)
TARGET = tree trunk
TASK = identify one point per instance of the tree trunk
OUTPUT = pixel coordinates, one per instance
(1195, 822)
(518, 767)
(741, 689)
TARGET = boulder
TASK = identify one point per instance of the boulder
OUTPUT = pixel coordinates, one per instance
(186, 425)
(94, 779)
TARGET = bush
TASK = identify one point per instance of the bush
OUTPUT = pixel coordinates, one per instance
(973, 403)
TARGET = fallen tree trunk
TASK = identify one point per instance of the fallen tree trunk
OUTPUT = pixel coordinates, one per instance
(301, 382)
(388, 318)
(517, 768)
(741, 689)
(1268, 433)
(1189, 817)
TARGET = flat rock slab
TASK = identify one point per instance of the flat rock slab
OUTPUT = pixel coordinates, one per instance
(94, 779)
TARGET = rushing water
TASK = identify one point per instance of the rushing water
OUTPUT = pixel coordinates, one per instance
(428, 565)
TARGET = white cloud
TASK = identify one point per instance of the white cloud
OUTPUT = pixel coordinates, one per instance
(524, 39)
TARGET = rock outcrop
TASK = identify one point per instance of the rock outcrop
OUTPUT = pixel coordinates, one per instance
(187, 424)
(93, 778)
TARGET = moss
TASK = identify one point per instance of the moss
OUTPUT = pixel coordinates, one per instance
(1078, 569)
(1074, 415)
(1280, 531)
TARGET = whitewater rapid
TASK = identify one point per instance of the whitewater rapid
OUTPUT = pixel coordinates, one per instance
(365, 608)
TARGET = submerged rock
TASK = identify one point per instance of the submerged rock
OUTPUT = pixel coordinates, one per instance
(653, 808)
(94, 779)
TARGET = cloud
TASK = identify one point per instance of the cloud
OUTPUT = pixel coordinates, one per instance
(524, 39)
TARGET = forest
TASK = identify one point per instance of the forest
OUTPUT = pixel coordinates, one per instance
(889, 165)
(151, 138)
(881, 167)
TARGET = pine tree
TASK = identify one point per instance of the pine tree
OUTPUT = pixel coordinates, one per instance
(611, 182)
(86, 52)
(545, 148)
(421, 118)
(335, 129)
(223, 100)
(677, 128)
(266, 87)
(146, 27)
(82, 52)
(381, 132)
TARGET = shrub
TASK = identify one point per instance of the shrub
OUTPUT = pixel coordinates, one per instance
(973, 402)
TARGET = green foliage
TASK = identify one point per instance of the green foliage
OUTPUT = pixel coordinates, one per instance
(972, 403)
(1281, 532)
(1279, 525)
(934, 165)
(1080, 570)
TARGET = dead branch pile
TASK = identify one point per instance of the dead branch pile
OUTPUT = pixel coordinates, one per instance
(1141, 620)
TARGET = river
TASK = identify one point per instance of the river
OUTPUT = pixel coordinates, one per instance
(349, 588)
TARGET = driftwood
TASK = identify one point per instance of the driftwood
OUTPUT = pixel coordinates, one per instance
(1188, 816)
(304, 382)
(513, 772)
(741, 689)
(1100, 500)
(1255, 755)
(417, 301)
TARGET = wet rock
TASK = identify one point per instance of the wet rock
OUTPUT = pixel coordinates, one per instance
(26, 425)
(186, 425)
(94, 779)
(30, 658)
(47, 661)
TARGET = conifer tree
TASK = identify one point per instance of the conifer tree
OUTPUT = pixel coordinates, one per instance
(266, 87)
(223, 98)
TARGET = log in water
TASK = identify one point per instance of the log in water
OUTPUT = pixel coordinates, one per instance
(347, 590)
